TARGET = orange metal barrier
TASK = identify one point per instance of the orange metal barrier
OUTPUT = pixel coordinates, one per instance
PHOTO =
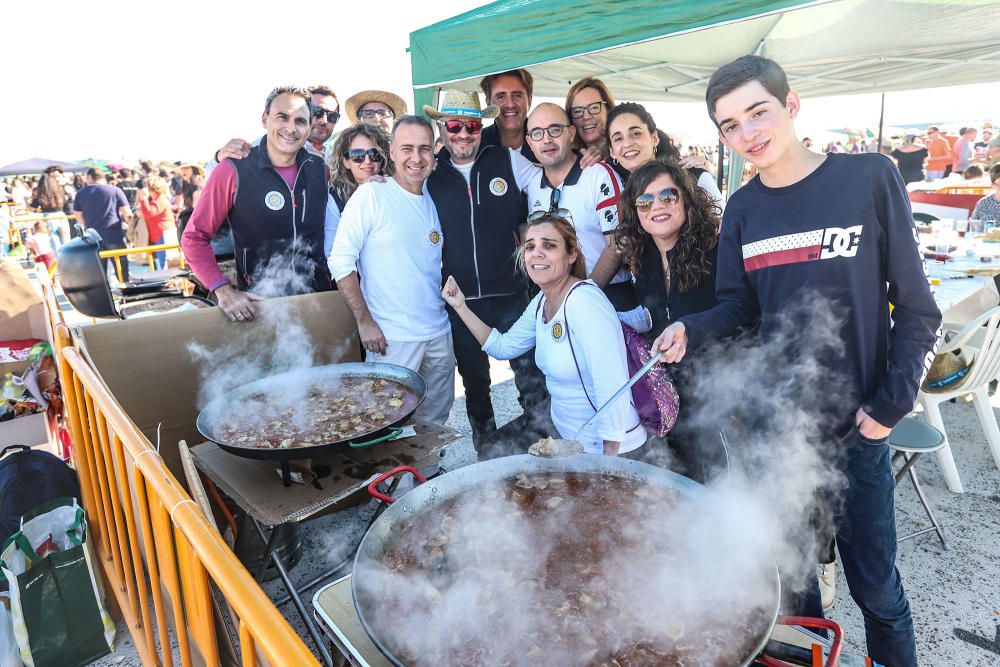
(152, 540)
(148, 249)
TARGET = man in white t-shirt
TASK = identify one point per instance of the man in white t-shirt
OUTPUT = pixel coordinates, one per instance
(590, 195)
(390, 233)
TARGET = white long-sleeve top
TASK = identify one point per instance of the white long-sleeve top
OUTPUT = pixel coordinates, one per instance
(393, 239)
(599, 347)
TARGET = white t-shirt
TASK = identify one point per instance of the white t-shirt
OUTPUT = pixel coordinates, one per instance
(393, 239)
(591, 195)
(465, 170)
(599, 348)
(330, 224)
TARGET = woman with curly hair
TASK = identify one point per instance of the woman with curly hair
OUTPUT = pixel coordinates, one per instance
(668, 234)
(634, 140)
(359, 153)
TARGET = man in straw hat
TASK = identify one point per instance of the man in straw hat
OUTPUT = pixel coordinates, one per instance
(376, 107)
(477, 193)
(325, 110)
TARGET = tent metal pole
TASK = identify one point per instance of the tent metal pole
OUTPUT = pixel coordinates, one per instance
(881, 123)
(720, 177)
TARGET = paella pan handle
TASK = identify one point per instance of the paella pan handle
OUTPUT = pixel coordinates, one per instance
(393, 432)
(816, 623)
(392, 473)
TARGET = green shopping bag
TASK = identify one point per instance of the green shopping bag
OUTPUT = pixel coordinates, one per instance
(56, 596)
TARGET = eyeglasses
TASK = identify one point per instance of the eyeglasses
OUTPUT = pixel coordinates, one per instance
(556, 212)
(666, 196)
(357, 155)
(455, 126)
(592, 109)
(332, 116)
(538, 133)
(375, 114)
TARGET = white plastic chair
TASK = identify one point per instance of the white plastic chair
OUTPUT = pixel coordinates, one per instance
(982, 336)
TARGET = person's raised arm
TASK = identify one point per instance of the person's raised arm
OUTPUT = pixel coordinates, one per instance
(607, 194)
(453, 296)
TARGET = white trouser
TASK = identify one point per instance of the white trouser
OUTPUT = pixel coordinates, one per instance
(435, 360)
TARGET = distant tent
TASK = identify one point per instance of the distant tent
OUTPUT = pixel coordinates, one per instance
(37, 165)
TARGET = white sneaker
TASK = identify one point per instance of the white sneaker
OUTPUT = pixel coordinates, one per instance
(827, 575)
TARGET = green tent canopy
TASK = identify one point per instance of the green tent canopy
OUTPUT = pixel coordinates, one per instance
(665, 50)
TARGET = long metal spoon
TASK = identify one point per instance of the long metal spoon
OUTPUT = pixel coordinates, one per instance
(648, 366)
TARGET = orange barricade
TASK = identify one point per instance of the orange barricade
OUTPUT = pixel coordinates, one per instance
(158, 552)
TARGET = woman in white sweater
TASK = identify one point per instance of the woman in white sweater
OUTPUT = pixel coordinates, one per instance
(578, 344)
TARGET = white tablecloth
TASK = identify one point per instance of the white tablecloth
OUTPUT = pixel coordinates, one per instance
(962, 298)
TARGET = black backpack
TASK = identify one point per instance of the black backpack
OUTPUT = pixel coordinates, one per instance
(29, 478)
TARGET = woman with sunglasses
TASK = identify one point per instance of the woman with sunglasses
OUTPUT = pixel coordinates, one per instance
(634, 140)
(587, 105)
(578, 343)
(360, 153)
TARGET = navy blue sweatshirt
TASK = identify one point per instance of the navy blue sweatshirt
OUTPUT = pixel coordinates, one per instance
(843, 238)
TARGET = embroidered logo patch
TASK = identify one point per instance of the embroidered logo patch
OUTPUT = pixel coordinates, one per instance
(557, 331)
(435, 237)
(274, 200)
(498, 186)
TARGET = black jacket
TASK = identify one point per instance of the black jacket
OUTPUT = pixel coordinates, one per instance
(481, 222)
(652, 291)
(277, 228)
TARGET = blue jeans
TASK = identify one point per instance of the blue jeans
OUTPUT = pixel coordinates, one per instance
(159, 259)
(866, 540)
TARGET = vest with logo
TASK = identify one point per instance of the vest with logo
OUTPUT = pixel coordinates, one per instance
(278, 231)
(481, 223)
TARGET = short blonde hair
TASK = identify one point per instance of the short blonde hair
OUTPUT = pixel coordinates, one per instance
(156, 184)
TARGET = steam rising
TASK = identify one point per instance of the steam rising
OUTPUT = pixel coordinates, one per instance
(700, 563)
(279, 343)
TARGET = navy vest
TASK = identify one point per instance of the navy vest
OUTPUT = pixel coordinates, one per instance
(277, 231)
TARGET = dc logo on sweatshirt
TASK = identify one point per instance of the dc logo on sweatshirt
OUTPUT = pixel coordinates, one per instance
(841, 242)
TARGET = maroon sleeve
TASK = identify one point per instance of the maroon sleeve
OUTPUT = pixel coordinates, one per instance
(213, 207)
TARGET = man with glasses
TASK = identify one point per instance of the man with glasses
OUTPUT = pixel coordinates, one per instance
(325, 110)
(390, 234)
(587, 196)
(275, 203)
(375, 107)
(478, 196)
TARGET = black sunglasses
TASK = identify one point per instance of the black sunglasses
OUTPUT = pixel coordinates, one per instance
(357, 155)
(666, 195)
(537, 133)
(593, 109)
(332, 116)
(455, 126)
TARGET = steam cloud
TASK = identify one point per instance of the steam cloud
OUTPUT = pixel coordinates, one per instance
(702, 564)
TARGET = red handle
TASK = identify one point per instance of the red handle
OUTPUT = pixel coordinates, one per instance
(821, 623)
(392, 473)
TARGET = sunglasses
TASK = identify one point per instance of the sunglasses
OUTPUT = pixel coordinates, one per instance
(455, 126)
(666, 196)
(358, 155)
(592, 109)
(557, 213)
(375, 114)
(332, 116)
(538, 133)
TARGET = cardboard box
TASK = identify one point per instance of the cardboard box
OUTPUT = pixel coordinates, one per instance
(22, 316)
(149, 366)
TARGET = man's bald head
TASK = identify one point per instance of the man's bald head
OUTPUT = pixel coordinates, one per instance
(546, 114)
(550, 135)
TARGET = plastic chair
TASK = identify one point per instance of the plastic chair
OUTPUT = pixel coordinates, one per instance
(981, 335)
(909, 440)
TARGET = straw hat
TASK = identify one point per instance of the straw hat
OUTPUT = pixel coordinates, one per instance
(195, 168)
(461, 104)
(946, 373)
(358, 100)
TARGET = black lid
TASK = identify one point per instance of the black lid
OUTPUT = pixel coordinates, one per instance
(83, 279)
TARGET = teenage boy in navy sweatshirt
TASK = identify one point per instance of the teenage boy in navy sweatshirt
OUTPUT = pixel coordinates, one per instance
(838, 230)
